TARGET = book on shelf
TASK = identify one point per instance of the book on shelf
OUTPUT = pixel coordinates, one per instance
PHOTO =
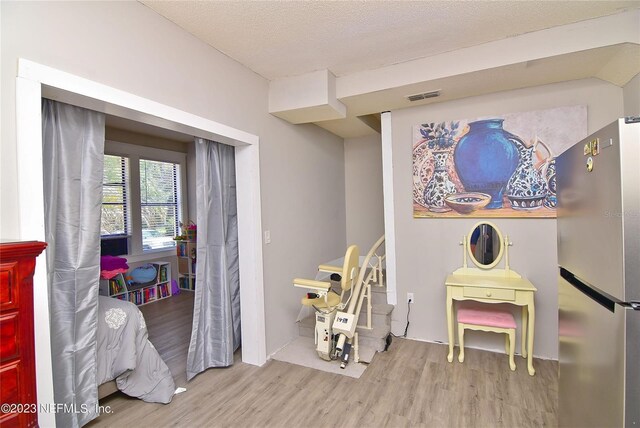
(135, 297)
(164, 290)
(121, 284)
(184, 282)
(186, 249)
(149, 294)
(113, 287)
(163, 273)
(117, 285)
(187, 283)
(181, 248)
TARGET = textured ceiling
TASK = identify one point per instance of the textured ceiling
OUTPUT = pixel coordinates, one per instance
(279, 39)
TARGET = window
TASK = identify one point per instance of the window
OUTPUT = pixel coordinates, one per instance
(142, 202)
(114, 196)
(159, 203)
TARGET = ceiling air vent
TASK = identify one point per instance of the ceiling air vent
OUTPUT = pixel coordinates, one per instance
(423, 96)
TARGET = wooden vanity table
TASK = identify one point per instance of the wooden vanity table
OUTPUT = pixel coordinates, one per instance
(489, 285)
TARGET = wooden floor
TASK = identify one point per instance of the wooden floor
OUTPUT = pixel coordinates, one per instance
(169, 326)
(410, 385)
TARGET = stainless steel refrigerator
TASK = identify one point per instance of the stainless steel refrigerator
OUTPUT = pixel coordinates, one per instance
(598, 189)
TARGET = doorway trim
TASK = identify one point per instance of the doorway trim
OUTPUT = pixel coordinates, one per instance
(389, 206)
(35, 81)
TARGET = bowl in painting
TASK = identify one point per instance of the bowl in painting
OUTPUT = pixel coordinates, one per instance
(466, 203)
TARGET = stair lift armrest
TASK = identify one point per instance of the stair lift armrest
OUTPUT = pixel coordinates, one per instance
(330, 269)
(310, 284)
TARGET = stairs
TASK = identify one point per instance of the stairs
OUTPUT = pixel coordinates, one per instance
(370, 341)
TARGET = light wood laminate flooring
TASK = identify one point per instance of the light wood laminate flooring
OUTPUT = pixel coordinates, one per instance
(410, 385)
(169, 325)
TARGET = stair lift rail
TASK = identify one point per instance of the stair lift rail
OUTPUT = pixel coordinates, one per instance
(362, 289)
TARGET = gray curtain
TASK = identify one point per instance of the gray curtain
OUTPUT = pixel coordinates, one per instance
(73, 161)
(215, 334)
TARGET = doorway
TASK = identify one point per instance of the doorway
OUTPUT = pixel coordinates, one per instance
(36, 81)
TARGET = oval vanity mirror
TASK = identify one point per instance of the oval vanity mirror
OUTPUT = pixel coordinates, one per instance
(485, 245)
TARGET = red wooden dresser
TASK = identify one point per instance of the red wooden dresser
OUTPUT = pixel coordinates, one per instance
(17, 356)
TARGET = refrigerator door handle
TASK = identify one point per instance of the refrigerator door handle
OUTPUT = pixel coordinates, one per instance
(599, 296)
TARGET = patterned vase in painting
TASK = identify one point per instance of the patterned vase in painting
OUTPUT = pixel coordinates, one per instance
(527, 189)
(549, 174)
(439, 185)
(547, 171)
(485, 158)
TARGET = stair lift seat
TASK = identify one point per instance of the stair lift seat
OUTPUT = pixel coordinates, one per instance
(492, 320)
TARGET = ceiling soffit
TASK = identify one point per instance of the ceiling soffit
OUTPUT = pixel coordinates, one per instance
(572, 52)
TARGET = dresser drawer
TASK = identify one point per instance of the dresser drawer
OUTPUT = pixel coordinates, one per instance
(10, 386)
(9, 336)
(8, 286)
(489, 293)
(10, 375)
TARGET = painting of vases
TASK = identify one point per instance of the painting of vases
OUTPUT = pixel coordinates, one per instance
(499, 166)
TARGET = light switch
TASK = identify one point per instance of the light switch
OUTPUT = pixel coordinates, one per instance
(267, 237)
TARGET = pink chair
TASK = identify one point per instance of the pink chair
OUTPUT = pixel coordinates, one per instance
(492, 320)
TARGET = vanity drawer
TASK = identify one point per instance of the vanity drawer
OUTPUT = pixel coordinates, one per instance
(489, 293)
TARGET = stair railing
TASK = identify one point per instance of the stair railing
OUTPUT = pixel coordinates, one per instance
(371, 272)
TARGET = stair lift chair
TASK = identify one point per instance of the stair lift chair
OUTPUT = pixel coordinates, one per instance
(327, 303)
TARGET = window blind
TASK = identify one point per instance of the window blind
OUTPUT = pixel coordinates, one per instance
(115, 210)
(159, 203)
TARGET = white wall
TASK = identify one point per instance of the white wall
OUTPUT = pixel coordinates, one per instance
(363, 190)
(631, 93)
(129, 47)
(427, 249)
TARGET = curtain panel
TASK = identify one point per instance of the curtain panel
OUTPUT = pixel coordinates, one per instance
(215, 334)
(73, 161)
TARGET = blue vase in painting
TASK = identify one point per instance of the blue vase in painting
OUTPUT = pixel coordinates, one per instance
(485, 158)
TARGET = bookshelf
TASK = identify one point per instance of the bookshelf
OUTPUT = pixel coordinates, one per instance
(115, 287)
(139, 294)
(186, 253)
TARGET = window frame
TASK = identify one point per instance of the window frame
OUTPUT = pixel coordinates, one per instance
(135, 153)
(126, 203)
(177, 195)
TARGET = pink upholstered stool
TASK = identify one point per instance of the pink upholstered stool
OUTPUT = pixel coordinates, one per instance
(493, 320)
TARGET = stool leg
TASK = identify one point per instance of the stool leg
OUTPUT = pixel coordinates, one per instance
(511, 337)
(461, 340)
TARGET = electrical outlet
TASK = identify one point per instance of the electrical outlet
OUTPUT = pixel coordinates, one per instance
(410, 298)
